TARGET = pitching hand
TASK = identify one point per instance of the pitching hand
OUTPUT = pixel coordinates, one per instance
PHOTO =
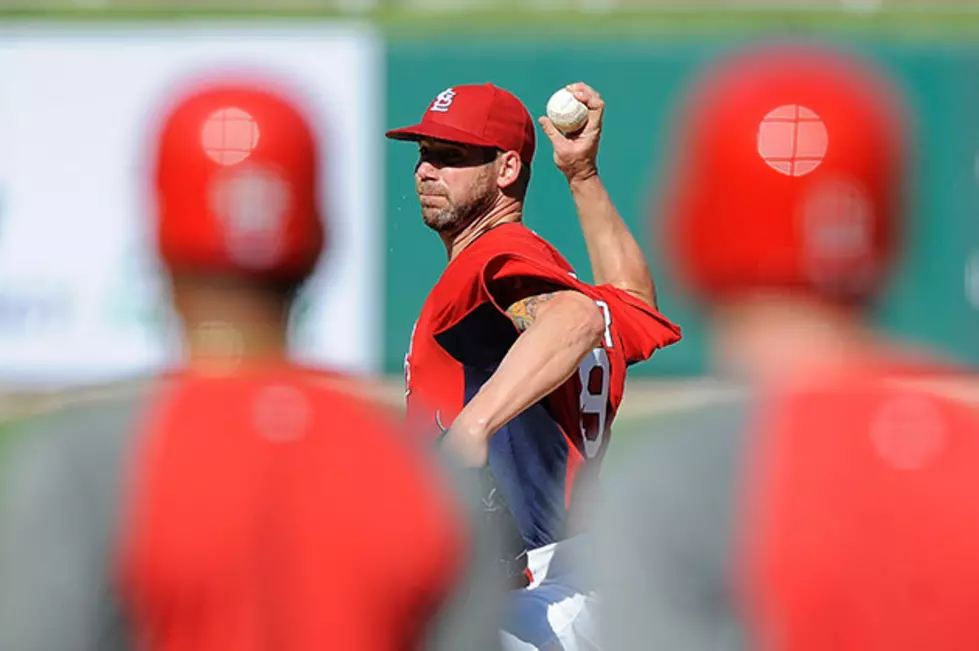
(575, 154)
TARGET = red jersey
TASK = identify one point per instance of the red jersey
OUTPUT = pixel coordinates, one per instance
(463, 334)
(862, 506)
(264, 510)
(837, 513)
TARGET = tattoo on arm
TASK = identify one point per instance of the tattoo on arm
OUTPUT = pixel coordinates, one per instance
(524, 312)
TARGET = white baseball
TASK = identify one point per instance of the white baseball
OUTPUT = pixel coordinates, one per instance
(566, 112)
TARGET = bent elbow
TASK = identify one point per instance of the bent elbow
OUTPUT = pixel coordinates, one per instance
(578, 316)
(590, 322)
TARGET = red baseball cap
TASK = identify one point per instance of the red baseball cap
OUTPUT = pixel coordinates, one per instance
(476, 114)
(787, 173)
(236, 185)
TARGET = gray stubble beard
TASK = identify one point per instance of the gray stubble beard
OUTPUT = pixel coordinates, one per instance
(451, 220)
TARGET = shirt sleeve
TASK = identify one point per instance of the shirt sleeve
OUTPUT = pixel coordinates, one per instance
(474, 328)
(55, 543)
(638, 328)
(514, 267)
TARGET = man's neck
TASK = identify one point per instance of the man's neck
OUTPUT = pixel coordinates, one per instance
(457, 242)
(776, 338)
(225, 345)
(228, 325)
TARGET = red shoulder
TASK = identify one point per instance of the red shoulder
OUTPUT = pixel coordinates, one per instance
(508, 251)
(513, 250)
(519, 259)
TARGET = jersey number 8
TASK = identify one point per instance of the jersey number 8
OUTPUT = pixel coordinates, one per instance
(594, 374)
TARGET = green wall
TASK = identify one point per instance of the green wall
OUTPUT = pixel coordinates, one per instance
(641, 81)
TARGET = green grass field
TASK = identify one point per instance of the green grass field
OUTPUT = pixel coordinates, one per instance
(512, 18)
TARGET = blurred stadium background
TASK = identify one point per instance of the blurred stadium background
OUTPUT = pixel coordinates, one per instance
(79, 298)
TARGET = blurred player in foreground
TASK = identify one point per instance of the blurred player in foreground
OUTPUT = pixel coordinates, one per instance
(833, 503)
(520, 363)
(251, 504)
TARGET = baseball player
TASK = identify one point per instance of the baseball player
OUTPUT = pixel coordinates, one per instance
(518, 362)
(249, 504)
(829, 501)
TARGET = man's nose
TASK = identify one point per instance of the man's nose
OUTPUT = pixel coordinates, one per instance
(425, 171)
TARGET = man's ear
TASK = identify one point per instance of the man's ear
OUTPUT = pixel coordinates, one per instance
(509, 169)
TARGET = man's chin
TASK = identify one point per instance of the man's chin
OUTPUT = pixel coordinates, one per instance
(440, 223)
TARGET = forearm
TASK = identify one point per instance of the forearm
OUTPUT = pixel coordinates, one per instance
(616, 257)
(540, 361)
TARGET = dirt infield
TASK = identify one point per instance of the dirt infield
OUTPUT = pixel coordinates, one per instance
(642, 396)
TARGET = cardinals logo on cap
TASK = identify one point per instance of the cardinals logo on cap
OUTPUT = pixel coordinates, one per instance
(443, 101)
(252, 203)
(837, 252)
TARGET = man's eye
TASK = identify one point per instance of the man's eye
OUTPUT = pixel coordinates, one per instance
(443, 157)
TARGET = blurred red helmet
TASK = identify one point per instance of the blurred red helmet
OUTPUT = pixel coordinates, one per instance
(236, 185)
(787, 175)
